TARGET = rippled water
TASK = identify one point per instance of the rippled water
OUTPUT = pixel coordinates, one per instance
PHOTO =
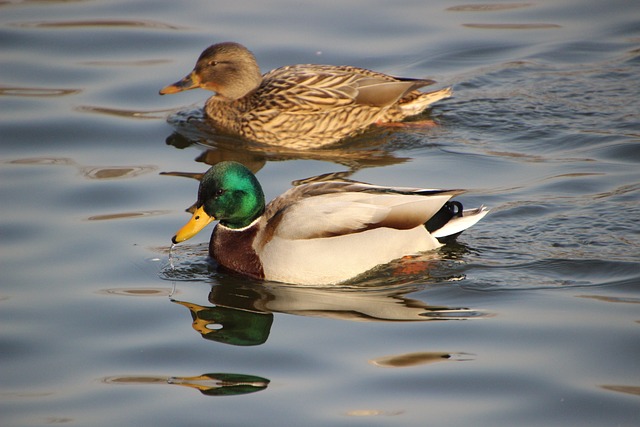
(531, 318)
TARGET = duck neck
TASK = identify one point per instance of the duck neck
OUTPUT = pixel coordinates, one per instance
(238, 227)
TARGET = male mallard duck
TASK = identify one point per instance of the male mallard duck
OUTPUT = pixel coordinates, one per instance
(299, 106)
(322, 232)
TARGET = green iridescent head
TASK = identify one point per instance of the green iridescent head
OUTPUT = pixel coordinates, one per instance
(231, 193)
(228, 192)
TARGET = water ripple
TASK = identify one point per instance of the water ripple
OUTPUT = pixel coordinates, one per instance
(126, 215)
(501, 26)
(98, 23)
(487, 7)
(137, 292)
(552, 273)
(37, 91)
(130, 114)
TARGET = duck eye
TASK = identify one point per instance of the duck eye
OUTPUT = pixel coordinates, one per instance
(219, 192)
(213, 63)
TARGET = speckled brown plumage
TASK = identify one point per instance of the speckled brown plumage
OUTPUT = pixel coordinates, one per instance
(300, 106)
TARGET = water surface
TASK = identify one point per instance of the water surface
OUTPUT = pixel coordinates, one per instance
(531, 318)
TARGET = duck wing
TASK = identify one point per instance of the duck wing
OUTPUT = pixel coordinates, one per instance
(381, 93)
(316, 86)
(329, 209)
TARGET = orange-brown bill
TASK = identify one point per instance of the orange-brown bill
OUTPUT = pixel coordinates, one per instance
(189, 82)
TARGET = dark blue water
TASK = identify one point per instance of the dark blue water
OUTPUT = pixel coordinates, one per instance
(531, 318)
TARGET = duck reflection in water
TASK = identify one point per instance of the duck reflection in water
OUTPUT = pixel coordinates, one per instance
(210, 384)
(242, 313)
(358, 154)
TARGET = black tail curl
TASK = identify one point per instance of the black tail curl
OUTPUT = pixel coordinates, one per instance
(451, 209)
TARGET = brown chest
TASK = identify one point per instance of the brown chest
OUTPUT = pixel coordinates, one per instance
(233, 250)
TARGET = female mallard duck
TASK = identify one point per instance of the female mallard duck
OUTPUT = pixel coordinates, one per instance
(321, 232)
(299, 106)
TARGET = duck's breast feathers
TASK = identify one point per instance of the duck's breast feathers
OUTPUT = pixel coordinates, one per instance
(234, 249)
(329, 209)
(311, 86)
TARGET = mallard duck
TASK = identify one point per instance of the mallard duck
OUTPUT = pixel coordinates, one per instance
(319, 233)
(299, 106)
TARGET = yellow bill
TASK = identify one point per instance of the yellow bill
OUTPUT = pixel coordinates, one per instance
(198, 221)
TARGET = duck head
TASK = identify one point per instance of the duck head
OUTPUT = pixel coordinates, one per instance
(228, 192)
(228, 68)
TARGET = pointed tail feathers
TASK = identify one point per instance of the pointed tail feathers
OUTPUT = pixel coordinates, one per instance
(457, 224)
(418, 105)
